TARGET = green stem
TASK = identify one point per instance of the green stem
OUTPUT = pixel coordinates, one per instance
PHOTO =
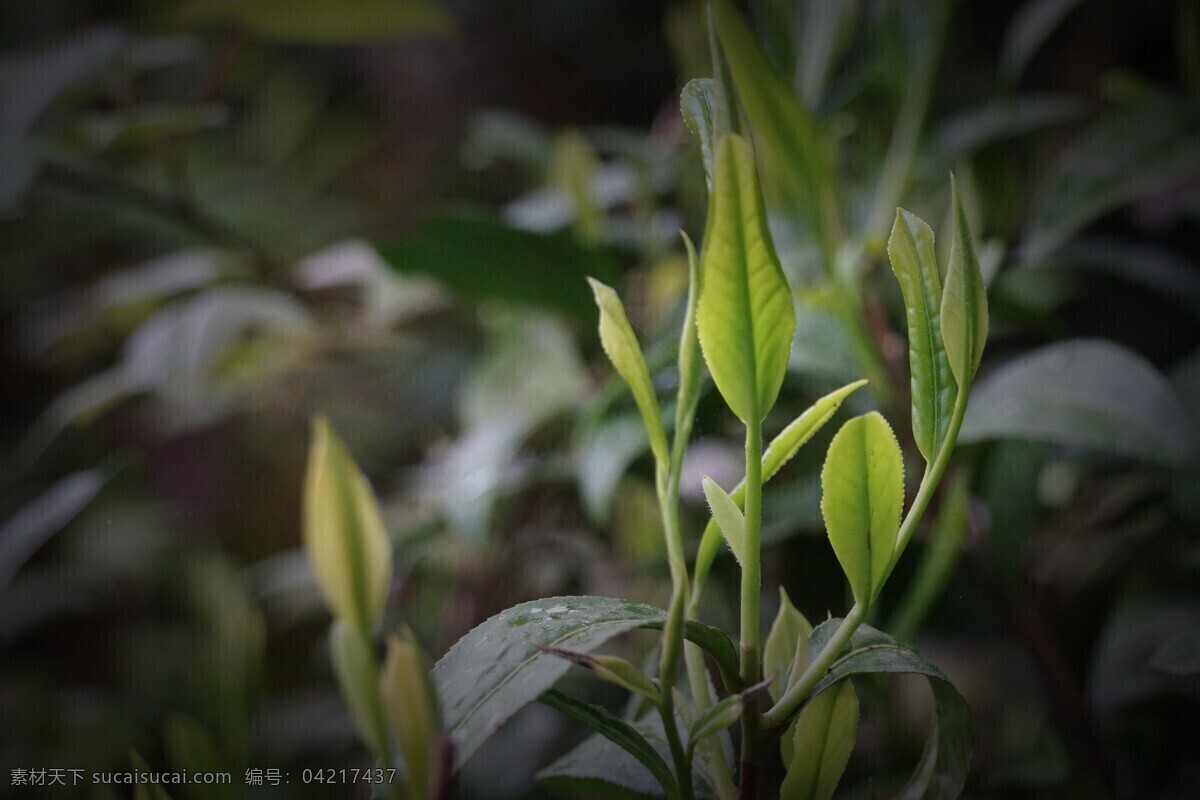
(750, 624)
(782, 711)
(672, 640)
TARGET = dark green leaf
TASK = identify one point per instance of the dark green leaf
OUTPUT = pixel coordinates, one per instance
(617, 731)
(496, 669)
(1129, 154)
(1084, 393)
(597, 766)
(862, 496)
(745, 315)
(942, 770)
(482, 258)
(911, 250)
(319, 22)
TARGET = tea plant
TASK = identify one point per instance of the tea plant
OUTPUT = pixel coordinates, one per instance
(740, 324)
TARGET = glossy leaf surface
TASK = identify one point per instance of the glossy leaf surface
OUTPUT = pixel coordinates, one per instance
(619, 732)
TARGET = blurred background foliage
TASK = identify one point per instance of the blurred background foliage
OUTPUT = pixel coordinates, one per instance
(219, 218)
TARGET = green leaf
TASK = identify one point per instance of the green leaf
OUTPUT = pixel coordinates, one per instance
(780, 451)
(482, 257)
(358, 676)
(1084, 393)
(911, 250)
(613, 669)
(319, 22)
(822, 738)
(621, 346)
(597, 766)
(618, 732)
(942, 770)
(862, 495)
(728, 517)
(798, 155)
(705, 112)
(410, 702)
(745, 316)
(1127, 155)
(786, 651)
(964, 315)
(717, 718)
(691, 360)
(1031, 26)
(497, 669)
(343, 532)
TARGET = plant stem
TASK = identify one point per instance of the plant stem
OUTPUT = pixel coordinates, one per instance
(672, 640)
(750, 625)
(782, 711)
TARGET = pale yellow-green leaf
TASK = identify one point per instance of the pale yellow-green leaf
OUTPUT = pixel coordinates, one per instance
(822, 739)
(786, 650)
(343, 532)
(745, 315)
(622, 348)
(411, 705)
(728, 517)
(358, 676)
(964, 301)
(862, 496)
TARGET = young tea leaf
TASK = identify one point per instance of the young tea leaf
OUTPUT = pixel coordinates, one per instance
(613, 669)
(691, 361)
(964, 302)
(911, 250)
(821, 740)
(705, 112)
(786, 650)
(621, 346)
(411, 706)
(343, 532)
(728, 517)
(745, 317)
(862, 495)
(358, 676)
(780, 451)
